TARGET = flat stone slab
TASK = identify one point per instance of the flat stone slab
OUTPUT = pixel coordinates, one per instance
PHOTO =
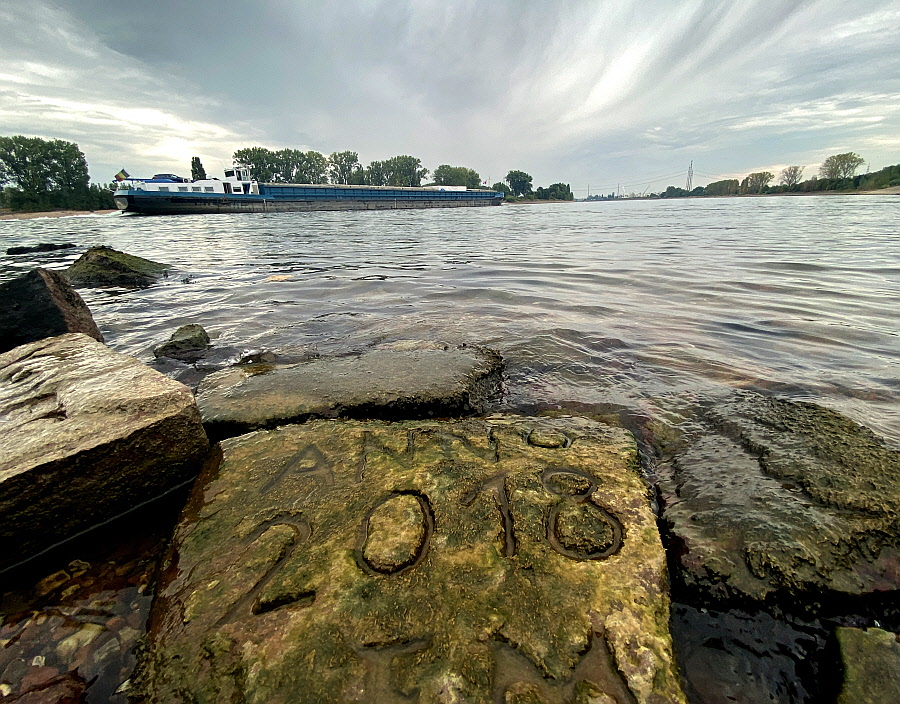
(501, 560)
(782, 499)
(88, 433)
(383, 383)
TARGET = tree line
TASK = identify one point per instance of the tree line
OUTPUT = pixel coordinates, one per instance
(39, 174)
(837, 173)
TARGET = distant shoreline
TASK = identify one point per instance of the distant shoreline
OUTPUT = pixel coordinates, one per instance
(11, 215)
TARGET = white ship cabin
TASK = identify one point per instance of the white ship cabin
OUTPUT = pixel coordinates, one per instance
(237, 181)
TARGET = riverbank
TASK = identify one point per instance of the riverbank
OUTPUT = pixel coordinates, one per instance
(13, 215)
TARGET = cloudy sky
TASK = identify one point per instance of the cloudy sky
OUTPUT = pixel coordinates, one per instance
(601, 92)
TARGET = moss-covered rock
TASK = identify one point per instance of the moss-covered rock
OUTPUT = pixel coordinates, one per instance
(105, 266)
(777, 499)
(424, 561)
(871, 660)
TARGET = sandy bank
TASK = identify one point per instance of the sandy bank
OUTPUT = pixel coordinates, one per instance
(7, 215)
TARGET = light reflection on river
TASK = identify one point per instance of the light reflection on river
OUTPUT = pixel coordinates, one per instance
(644, 305)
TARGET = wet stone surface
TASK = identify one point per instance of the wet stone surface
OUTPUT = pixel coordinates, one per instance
(421, 561)
(783, 501)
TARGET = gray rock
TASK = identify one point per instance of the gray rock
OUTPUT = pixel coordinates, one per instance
(88, 433)
(105, 266)
(871, 666)
(388, 384)
(42, 247)
(188, 343)
(507, 559)
(39, 304)
(777, 498)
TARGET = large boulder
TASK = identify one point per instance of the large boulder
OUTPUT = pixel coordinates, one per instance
(39, 304)
(778, 499)
(500, 560)
(105, 266)
(382, 383)
(88, 433)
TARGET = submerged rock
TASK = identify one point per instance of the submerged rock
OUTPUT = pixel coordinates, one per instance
(105, 266)
(42, 247)
(188, 343)
(39, 304)
(871, 666)
(88, 433)
(388, 384)
(426, 561)
(784, 499)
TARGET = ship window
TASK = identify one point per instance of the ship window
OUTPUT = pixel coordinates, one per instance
(164, 188)
(208, 189)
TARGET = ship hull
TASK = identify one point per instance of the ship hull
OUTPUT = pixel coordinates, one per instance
(152, 203)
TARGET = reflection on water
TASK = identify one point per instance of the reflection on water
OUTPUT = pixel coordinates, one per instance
(631, 302)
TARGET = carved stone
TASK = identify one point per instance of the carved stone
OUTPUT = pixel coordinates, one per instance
(423, 561)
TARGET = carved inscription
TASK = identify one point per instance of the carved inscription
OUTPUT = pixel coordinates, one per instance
(394, 535)
(594, 678)
(253, 600)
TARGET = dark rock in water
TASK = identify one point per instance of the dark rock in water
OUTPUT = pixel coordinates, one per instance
(105, 266)
(188, 343)
(784, 500)
(39, 304)
(388, 384)
(871, 666)
(743, 658)
(88, 433)
(348, 561)
(42, 247)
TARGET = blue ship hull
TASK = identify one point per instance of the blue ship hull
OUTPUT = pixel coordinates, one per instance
(277, 198)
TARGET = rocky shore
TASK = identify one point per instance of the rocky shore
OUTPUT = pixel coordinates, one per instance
(367, 528)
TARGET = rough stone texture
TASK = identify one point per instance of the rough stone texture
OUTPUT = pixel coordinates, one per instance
(188, 343)
(87, 434)
(424, 561)
(105, 266)
(382, 383)
(777, 499)
(42, 247)
(871, 666)
(39, 304)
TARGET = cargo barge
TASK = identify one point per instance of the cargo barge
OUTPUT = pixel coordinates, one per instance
(167, 194)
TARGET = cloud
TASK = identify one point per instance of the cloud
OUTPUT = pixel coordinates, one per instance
(572, 92)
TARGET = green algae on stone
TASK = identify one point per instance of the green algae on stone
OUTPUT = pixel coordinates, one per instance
(871, 660)
(423, 561)
(105, 266)
(784, 499)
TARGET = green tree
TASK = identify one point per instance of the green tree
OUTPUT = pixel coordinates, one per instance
(791, 176)
(519, 182)
(756, 182)
(404, 170)
(43, 174)
(841, 165)
(446, 175)
(198, 173)
(260, 161)
(342, 165)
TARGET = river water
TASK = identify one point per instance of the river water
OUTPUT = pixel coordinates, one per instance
(638, 309)
(638, 305)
